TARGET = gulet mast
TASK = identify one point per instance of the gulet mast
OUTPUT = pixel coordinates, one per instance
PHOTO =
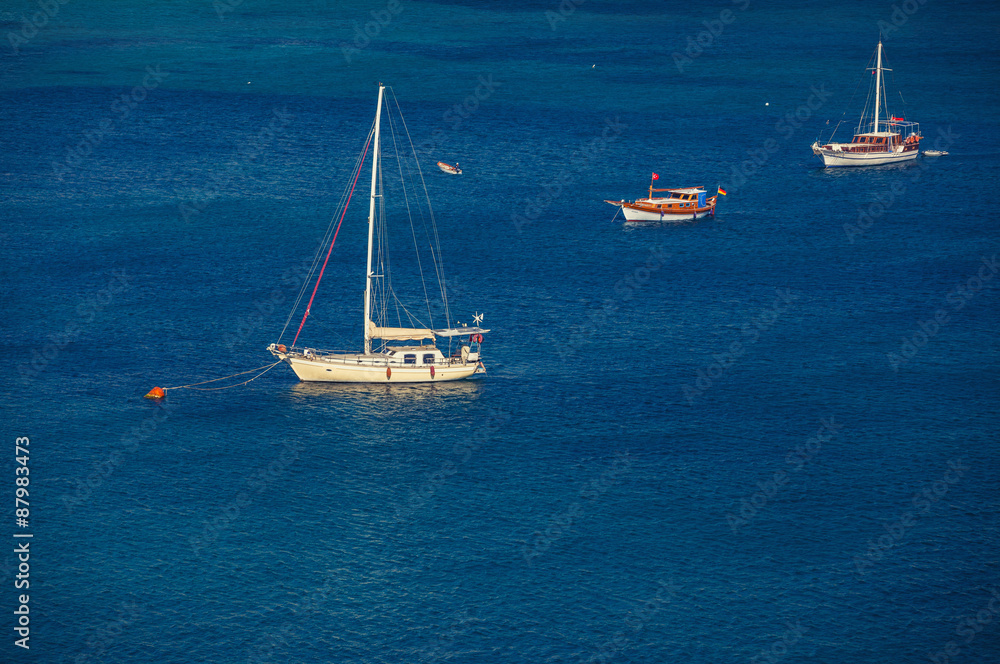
(878, 84)
(371, 224)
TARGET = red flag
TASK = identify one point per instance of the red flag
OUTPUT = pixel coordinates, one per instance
(655, 176)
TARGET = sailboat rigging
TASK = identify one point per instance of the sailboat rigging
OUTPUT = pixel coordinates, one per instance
(389, 354)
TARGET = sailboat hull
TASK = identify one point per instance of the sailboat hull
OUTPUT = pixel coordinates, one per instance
(837, 158)
(375, 370)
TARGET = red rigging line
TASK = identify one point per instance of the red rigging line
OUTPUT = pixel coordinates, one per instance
(334, 241)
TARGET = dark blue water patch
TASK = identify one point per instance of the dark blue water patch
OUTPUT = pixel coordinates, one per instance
(481, 53)
(568, 496)
(536, 6)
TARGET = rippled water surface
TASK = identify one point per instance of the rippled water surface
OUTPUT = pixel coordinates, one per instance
(771, 432)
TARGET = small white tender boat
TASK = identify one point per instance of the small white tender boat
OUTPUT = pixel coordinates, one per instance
(448, 168)
(934, 153)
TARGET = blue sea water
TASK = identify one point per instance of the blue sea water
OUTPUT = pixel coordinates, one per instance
(766, 436)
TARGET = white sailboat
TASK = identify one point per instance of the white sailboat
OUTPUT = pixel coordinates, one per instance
(390, 354)
(876, 141)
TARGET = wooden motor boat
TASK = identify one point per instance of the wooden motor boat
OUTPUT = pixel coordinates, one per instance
(678, 205)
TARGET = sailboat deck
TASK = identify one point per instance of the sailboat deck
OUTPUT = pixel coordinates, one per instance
(411, 356)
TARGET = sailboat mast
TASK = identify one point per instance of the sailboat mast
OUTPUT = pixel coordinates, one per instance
(878, 84)
(371, 224)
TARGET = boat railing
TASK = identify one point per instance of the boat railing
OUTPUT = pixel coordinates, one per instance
(675, 205)
(913, 128)
(861, 148)
(857, 148)
(301, 350)
(357, 359)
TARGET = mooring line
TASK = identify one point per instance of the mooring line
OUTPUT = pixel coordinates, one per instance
(160, 392)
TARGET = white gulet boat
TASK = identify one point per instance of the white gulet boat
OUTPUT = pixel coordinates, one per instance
(876, 140)
(390, 354)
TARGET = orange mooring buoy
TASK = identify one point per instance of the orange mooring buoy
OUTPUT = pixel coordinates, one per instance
(161, 392)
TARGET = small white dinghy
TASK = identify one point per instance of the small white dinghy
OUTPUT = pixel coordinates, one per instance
(448, 168)
(934, 153)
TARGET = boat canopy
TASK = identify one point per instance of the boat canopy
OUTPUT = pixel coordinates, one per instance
(879, 134)
(459, 331)
(418, 333)
(399, 333)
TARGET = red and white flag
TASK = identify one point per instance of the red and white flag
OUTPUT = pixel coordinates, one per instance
(655, 176)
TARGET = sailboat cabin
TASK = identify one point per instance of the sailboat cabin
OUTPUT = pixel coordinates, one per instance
(885, 141)
(689, 197)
